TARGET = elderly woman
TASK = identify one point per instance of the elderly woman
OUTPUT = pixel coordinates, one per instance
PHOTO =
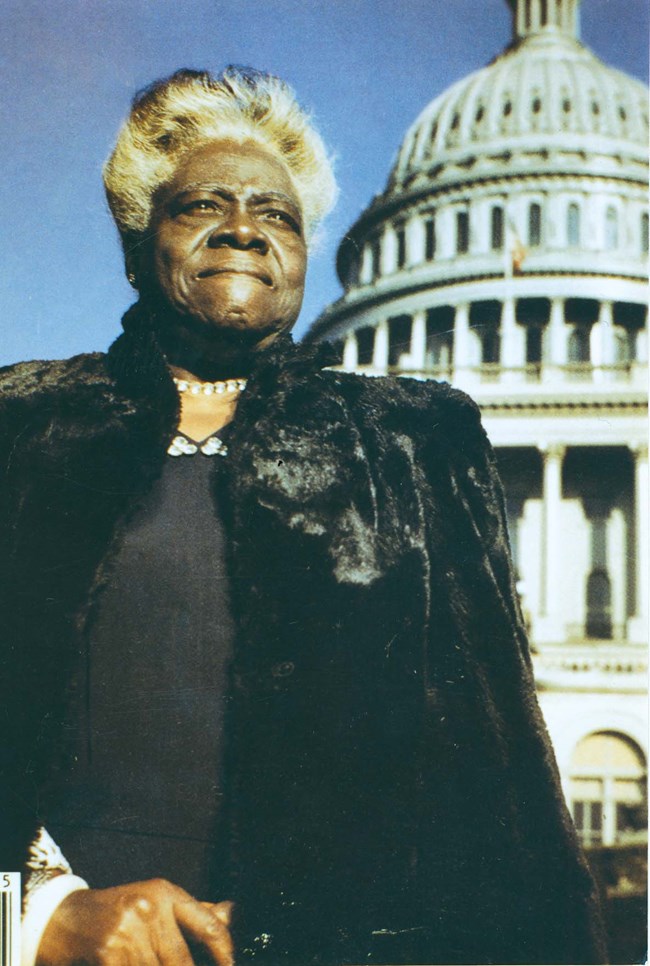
(266, 683)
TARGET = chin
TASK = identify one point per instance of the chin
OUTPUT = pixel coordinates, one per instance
(234, 331)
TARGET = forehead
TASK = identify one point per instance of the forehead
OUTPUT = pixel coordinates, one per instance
(247, 167)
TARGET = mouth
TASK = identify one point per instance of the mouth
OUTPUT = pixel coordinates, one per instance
(250, 272)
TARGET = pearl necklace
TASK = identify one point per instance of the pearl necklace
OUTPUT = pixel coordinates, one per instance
(180, 446)
(210, 388)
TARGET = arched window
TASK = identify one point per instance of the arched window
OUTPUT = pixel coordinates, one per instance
(430, 238)
(611, 228)
(573, 224)
(375, 248)
(497, 228)
(645, 233)
(400, 237)
(535, 225)
(607, 791)
(462, 232)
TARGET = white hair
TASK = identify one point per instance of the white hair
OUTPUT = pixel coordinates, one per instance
(188, 109)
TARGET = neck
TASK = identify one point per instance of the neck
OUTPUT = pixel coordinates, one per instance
(194, 351)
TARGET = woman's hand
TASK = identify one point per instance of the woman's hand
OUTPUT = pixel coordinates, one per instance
(138, 924)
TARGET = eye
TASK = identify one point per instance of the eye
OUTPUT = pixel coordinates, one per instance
(199, 205)
(195, 206)
(281, 217)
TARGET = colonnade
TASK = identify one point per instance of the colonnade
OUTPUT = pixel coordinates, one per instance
(549, 623)
(600, 347)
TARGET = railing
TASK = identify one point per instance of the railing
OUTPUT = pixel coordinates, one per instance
(582, 633)
(540, 373)
(537, 373)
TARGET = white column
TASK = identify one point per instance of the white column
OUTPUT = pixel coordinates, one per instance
(380, 354)
(641, 345)
(388, 250)
(520, 28)
(640, 364)
(534, 14)
(365, 275)
(638, 625)
(419, 340)
(513, 344)
(415, 240)
(446, 231)
(609, 811)
(461, 336)
(350, 352)
(570, 15)
(550, 628)
(556, 341)
(601, 343)
(462, 361)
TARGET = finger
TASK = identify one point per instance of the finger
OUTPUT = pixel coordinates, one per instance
(131, 944)
(142, 954)
(171, 948)
(205, 927)
(143, 935)
(142, 951)
(112, 955)
(222, 910)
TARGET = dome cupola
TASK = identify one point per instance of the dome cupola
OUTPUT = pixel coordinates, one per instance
(532, 16)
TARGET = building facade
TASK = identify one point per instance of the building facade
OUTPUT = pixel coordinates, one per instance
(508, 254)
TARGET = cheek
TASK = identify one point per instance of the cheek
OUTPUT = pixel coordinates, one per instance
(297, 271)
(168, 270)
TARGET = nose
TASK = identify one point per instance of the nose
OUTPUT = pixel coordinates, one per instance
(239, 231)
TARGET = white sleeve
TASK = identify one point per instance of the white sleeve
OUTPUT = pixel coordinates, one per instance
(48, 881)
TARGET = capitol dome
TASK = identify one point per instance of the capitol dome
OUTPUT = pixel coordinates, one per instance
(547, 90)
(535, 165)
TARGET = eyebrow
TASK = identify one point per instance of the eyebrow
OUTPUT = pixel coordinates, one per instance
(228, 195)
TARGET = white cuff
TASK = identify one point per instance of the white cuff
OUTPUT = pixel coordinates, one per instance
(43, 903)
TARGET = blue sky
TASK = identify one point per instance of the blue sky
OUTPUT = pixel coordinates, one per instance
(365, 67)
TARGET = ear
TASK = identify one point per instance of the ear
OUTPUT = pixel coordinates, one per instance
(132, 268)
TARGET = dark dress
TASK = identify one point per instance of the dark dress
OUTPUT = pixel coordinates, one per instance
(144, 798)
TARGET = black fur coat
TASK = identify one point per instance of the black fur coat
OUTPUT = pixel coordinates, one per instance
(393, 794)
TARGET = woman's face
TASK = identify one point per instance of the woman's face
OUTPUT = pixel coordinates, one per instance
(228, 246)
